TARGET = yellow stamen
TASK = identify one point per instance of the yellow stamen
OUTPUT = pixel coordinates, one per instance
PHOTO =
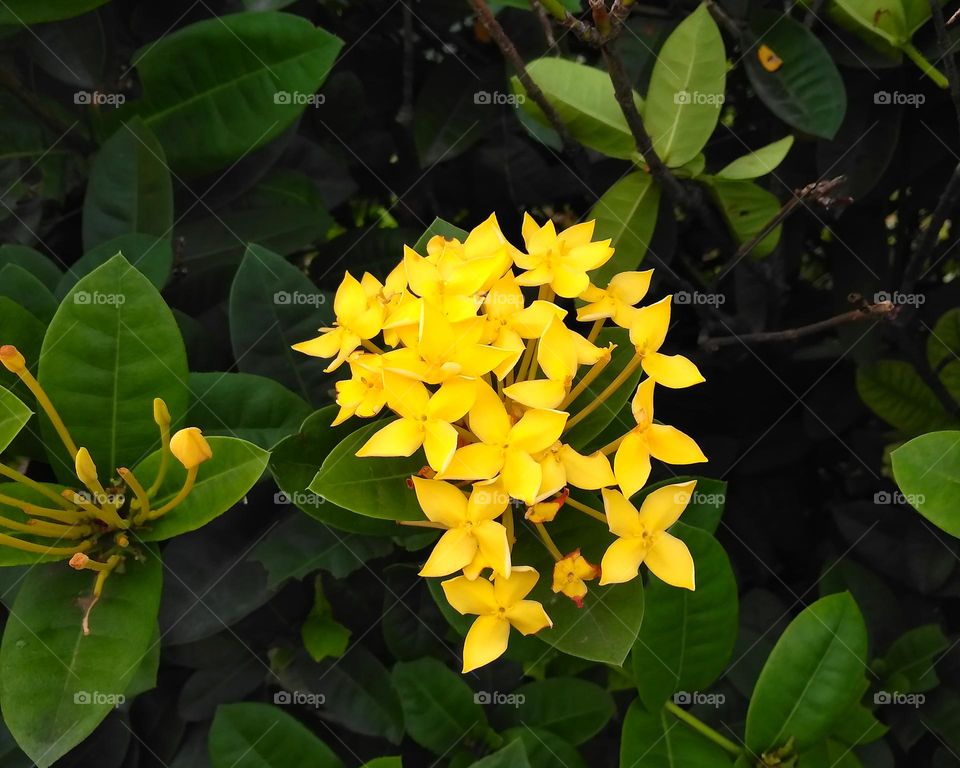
(586, 510)
(14, 362)
(176, 500)
(612, 387)
(55, 531)
(162, 418)
(29, 546)
(81, 562)
(34, 485)
(134, 485)
(548, 541)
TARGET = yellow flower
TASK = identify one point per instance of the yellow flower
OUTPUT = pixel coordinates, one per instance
(449, 284)
(506, 447)
(642, 537)
(362, 394)
(631, 464)
(190, 448)
(360, 317)
(562, 465)
(498, 606)
(470, 525)
(622, 294)
(569, 575)
(648, 330)
(486, 241)
(560, 260)
(425, 419)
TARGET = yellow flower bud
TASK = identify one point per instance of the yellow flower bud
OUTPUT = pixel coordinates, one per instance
(11, 358)
(160, 413)
(86, 469)
(190, 447)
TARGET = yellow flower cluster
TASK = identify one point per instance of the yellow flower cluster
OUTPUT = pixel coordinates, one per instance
(483, 379)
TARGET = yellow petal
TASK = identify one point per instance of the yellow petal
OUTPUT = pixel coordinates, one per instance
(568, 282)
(528, 617)
(541, 238)
(536, 276)
(621, 561)
(368, 323)
(670, 561)
(406, 396)
(650, 325)
(504, 298)
(622, 516)
(532, 322)
(578, 234)
(441, 502)
(539, 393)
(529, 228)
(596, 310)
(590, 256)
(477, 359)
(454, 550)
(486, 641)
(631, 287)
(422, 276)
(537, 430)
(674, 371)
(553, 477)
(488, 417)
(508, 591)
(588, 472)
(642, 405)
(671, 445)
(662, 507)
(521, 475)
(631, 465)
(466, 596)
(399, 438)
(451, 402)
(556, 354)
(492, 539)
(350, 300)
(325, 345)
(474, 462)
(439, 443)
(487, 501)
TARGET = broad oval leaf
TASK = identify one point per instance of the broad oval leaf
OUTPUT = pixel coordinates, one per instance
(757, 163)
(927, 469)
(254, 735)
(14, 414)
(658, 740)
(686, 89)
(222, 481)
(514, 755)
(574, 709)
(813, 675)
(41, 267)
(150, 255)
(627, 214)
(57, 684)
(894, 391)
(111, 348)
(19, 285)
(204, 119)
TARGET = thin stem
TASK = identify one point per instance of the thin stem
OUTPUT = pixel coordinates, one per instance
(595, 330)
(134, 485)
(34, 485)
(29, 546)
(164, 460)
(925, 66)
(612, 387)
(422, 524)
(570, 502)
(47, 405)
(371, 347)
(176, 500)
(508, 524)
(36, 511)
(588, 378)
(703, 729)
(548, 541)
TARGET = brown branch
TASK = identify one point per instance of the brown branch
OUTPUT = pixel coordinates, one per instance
(879, 311)
(544, 23)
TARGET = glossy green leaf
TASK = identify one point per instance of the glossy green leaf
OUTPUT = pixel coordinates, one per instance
(322, 635)
(511, 756)
(909, 665)
(807, 91)
(24, 12)
(20, 286)
(544, 748)
(584, 100)
(747, 209)
(130, 189)
(627, 214)
(253, 735)
(375, 487)
(112, 347)
(438, 706)
(757, 163)
(11, 556)
(14, 414)
(151, 256)
(273, 305)
(44, 268)
(894, 391)
(943, 351)
(880, 23)
(205, 116)
(686, 89)
(243, 405)
(927, 469)
(574, 709)
(22, 329)
(686, 638)
(811, 677)
(658, 740)
(57, 684)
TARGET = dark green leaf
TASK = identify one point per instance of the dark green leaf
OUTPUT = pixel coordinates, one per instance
(573, 709)
(927, 469)
(41, 267)
(895, 392)
(658, 740)
(13, 415)
(151, 256)
(627, 213)
(747, 208)
(17, 284)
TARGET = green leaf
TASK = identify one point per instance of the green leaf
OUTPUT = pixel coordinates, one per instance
(273, 305)
(9, 555)
(207, 117)
(322, 635)
(439, 227)
(112, 347)
(544, 748)
(584, 100)
(943, 351)
(811, 677)
(375, 487)
(858, 725)
(252, 735)
(747, 209)
(253, 408)
(706, 506)
(909, 664)
(686, 89)
(438, 706)
(222, 481)
(806, 92)
(25, 12)
(686, 638)
(573, 709)
(627, 214)
(14, 414)
(758, 163)
(57, 684)
(448, 116)
(25, 332)
(894, 391)
(880, 23)
(130, 189)
(20, 286)
(151, 256)
(511, 756)
(41, 267)
(384, 762)
(658, 740)
(927, 469)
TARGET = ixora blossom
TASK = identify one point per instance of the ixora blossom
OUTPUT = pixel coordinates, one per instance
(89, 525)
(486, 372)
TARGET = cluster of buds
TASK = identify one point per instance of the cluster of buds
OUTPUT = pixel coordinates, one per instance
(483, 380)
(91, 524)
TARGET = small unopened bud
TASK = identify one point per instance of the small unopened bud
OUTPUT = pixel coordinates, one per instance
(11, 358)
(160, 413)
(79, 561)
(86, 469)
(190, 447)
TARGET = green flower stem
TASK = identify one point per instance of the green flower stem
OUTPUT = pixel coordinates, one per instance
(703, 729)
(926, 67)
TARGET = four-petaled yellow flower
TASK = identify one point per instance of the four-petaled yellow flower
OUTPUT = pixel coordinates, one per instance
(617, 301)
(648, 330)
(642, 537)
(498, 606)
(560, 260)
(631, 465)
(570, 575)
(362, 394)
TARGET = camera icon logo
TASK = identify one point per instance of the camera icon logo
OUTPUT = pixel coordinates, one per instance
(482, 97)
(281, 297)
(282, 97)
(882, 97)
(282, 697)
(81, 697)
(682, 97)
(682, 698)
(882, 697)
(82, 297)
